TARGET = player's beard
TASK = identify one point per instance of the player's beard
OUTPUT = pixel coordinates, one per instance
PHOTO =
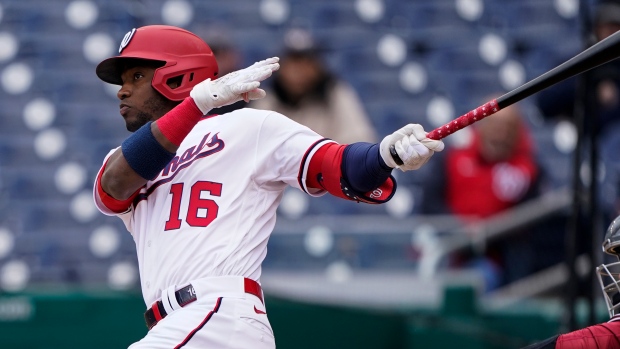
(154, 108)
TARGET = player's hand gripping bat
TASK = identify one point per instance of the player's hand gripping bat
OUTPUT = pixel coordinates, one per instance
(600, 53)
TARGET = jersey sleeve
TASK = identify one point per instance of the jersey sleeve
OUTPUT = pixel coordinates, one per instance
(98, 201)
(283, 153)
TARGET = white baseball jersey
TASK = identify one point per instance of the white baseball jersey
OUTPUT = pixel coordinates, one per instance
(211, 211)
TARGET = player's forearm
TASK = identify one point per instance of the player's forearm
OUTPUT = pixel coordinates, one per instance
(119, 180)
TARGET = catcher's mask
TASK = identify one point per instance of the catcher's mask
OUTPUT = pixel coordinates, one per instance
(184, 57)
(609, 274)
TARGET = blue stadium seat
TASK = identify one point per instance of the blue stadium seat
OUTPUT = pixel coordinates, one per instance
(556, 165)
(328, 14)
(543, 39)
(361, 60)
(20, 152)
(11, 117)
(390, 115)
(54, 48)
(353, 39)
(472, 89)
(28, 16)
(52, 213)
(528, 13)
(122, 16)
(456, 60)
(242, 13)
(424, 14)
(383, 84)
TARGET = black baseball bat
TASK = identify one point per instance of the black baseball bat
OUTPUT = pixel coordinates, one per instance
(600, 53)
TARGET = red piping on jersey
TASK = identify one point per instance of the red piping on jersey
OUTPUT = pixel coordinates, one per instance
(302, 165)
(328, 159)
(114, 205)
(204, 322)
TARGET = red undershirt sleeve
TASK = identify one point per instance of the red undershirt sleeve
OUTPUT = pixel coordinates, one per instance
(114, 205)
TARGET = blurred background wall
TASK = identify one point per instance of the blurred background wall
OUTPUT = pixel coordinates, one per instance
(337, 273)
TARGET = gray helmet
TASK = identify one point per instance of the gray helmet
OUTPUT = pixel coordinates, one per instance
(609, 274)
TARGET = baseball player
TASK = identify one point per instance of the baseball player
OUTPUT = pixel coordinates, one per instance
(605, 335)
(199, 193)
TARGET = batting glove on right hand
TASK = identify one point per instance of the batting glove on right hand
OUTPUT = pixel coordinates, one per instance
(235, 86)
(412, 146)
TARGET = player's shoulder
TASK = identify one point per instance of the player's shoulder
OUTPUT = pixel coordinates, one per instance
(253, 121)
(255, 113)
(248, 116)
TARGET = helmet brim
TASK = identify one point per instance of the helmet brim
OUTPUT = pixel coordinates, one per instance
(111, 69)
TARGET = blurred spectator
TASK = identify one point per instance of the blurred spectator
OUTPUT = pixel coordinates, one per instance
(497, 170)
(602, 102)
(558, 101)
(307, 92)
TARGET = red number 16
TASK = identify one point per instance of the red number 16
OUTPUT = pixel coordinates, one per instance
(195, 203)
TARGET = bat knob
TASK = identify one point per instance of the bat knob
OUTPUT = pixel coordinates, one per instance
(395, 156)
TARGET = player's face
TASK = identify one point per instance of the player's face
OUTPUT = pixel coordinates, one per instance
(140, 102)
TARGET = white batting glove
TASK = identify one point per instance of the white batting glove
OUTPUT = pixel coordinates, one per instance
(412, 146)
(235, 86)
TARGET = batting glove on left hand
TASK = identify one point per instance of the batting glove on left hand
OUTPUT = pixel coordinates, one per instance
(412, 146)
(235, 86)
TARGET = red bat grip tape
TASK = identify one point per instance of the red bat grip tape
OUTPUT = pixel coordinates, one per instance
(465, 120)
(462, 121)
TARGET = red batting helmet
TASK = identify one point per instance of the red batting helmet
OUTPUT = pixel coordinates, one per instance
(182, 53)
